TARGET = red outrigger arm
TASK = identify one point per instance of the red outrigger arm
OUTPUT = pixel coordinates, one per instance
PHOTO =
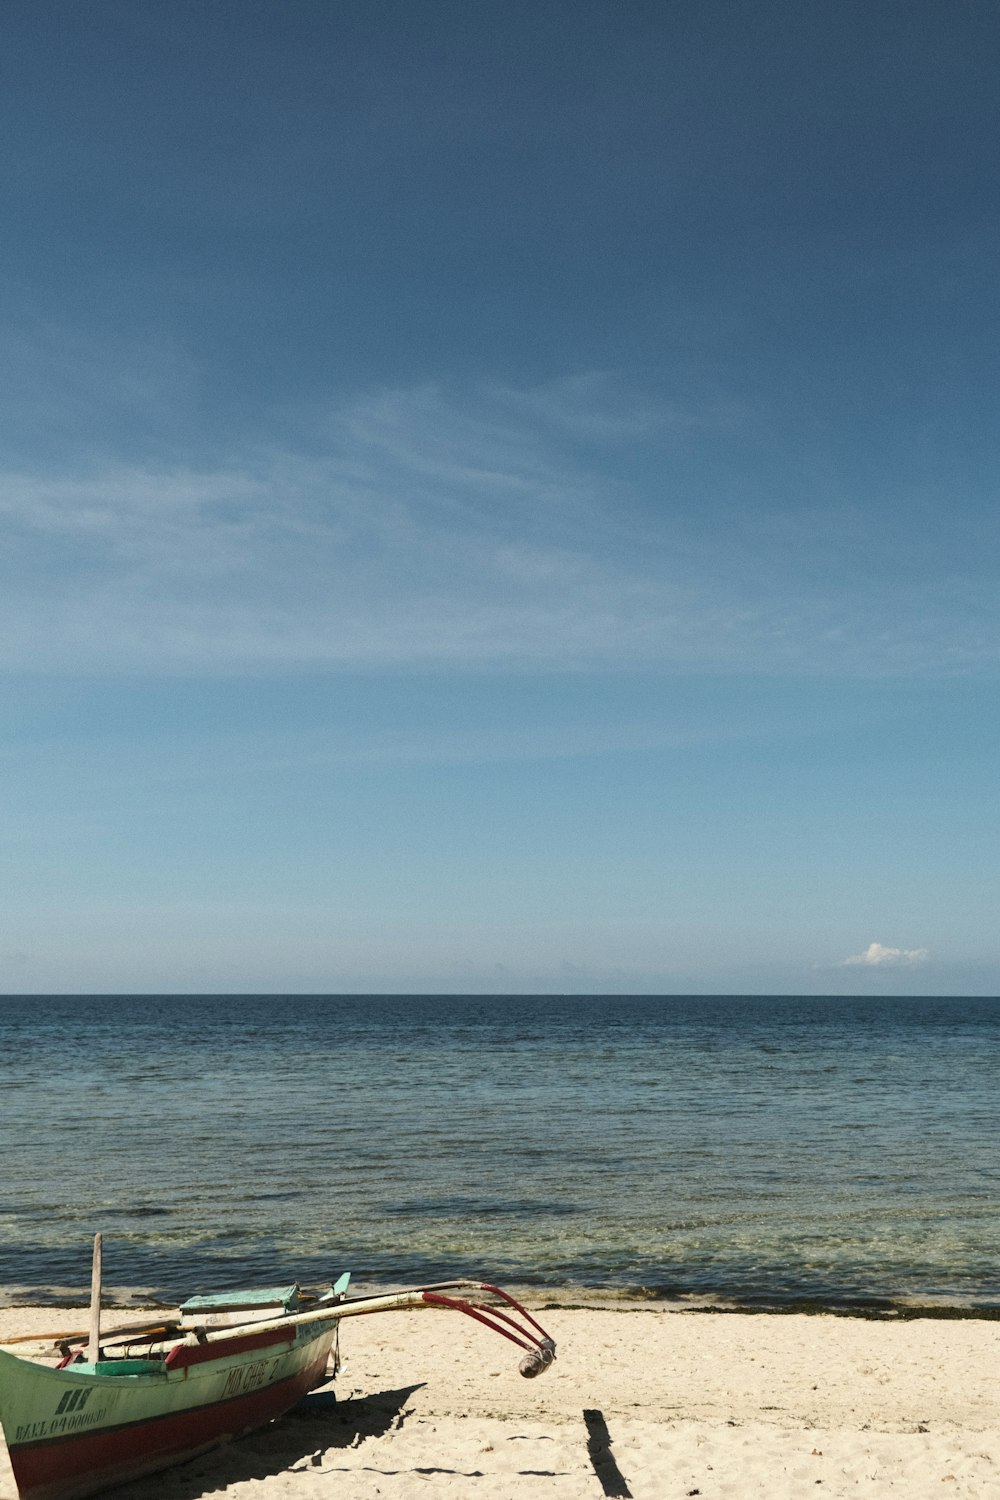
(540, 1347)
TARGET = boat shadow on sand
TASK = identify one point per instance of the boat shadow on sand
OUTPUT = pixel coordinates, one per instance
(295, 1443)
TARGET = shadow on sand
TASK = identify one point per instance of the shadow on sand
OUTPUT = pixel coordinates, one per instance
(611, 1478)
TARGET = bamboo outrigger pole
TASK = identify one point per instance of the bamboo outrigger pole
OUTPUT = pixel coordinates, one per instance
(540, 1349)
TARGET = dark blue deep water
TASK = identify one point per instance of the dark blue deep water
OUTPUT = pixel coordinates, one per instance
(767, 1151)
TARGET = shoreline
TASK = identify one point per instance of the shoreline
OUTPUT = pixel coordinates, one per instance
(660, 1402)
(568, 1298)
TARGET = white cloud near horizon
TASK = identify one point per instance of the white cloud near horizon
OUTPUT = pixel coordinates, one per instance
(416, 526)
(878, 956)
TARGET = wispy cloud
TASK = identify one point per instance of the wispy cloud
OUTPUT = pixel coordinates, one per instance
(420, 526)
(878, 956)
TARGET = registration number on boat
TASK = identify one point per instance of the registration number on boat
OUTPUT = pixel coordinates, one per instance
(249, 1377)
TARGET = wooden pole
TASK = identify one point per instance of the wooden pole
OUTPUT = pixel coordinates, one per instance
(94, 1342)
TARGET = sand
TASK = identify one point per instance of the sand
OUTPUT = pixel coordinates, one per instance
(649, 1402)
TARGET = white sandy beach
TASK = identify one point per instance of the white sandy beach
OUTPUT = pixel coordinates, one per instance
(649, 1402)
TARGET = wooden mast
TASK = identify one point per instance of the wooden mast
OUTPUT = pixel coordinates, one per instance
(94, 1342)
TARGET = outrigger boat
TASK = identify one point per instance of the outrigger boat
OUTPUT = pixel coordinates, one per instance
(136, 1400)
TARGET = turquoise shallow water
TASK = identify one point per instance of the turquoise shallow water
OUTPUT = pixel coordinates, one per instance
(763, 1150)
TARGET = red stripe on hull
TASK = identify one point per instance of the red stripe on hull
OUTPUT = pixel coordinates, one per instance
(69, 1468)
(183, 1356)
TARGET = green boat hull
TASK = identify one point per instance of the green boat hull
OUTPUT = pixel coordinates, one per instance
(76, 1431)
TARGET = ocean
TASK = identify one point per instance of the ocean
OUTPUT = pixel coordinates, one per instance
(765, 1152)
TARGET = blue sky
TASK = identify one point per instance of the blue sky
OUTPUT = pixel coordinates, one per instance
(499, 497)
